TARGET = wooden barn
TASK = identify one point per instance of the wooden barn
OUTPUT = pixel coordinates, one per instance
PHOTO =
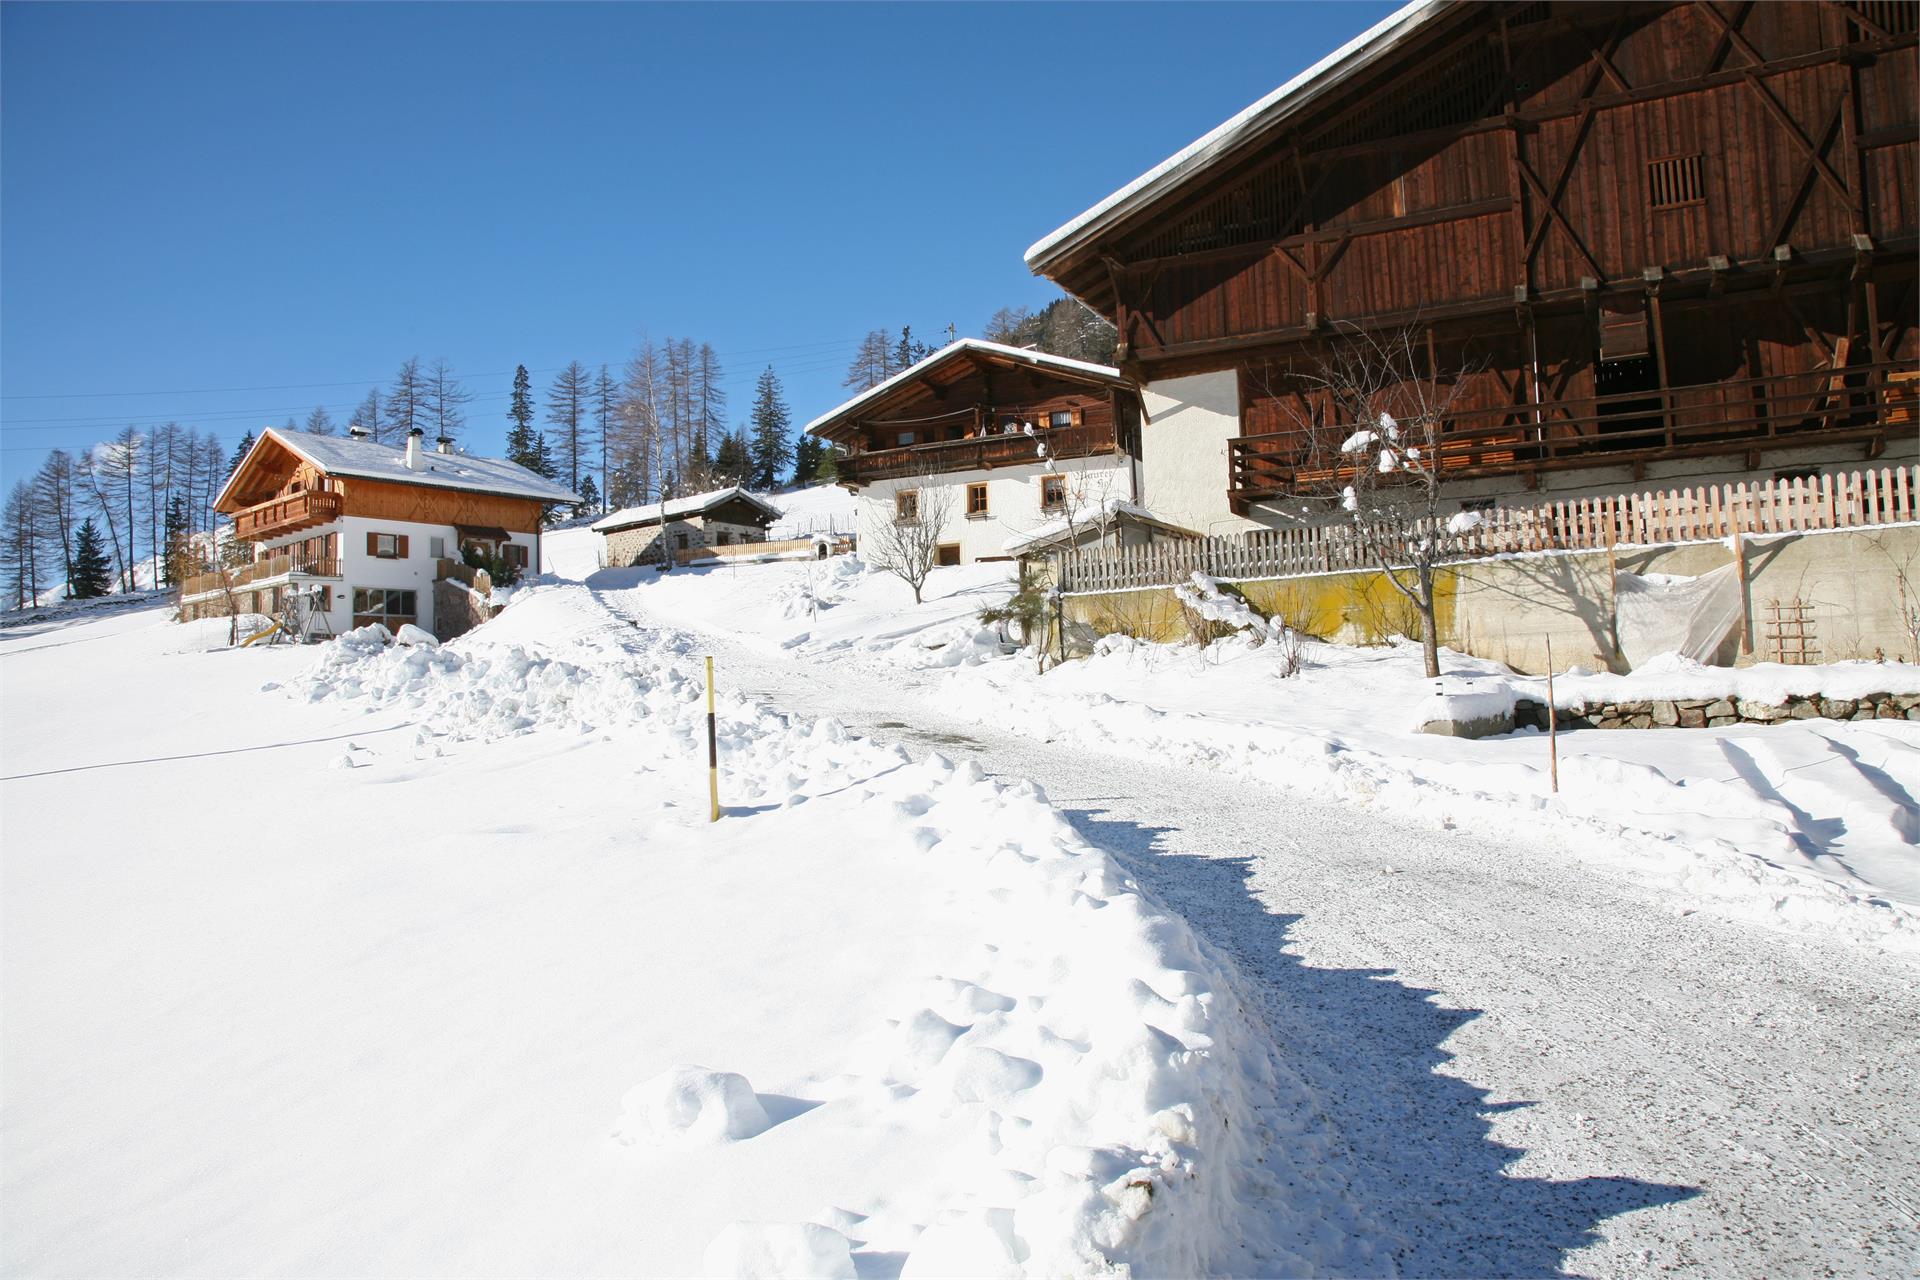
(1642, 242)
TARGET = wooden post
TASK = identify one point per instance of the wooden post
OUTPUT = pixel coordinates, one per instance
(1553, 725)
(713, 750)
(1739, 542)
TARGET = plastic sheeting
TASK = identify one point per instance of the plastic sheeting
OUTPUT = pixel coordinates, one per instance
(1661, 613)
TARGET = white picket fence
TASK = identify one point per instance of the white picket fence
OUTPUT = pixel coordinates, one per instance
(1888, 495)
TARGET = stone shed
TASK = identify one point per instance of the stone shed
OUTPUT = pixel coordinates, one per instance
(721, 518)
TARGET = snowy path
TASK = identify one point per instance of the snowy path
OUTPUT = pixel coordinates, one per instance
(1541, 1066)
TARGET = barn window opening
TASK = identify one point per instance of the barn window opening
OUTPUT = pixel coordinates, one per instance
(1675, 181)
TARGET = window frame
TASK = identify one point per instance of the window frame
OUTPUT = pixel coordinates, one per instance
(1048, 482)
(982, 511)
(1053, 419)
(906, 506)
(381, 541)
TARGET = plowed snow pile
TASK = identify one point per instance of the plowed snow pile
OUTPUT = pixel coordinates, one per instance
(451, 974)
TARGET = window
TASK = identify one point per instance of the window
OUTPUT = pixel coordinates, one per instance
(1053, 493)
(725, 537)
(680, 541)
(906, 438)
(387, 546)
(514, 554)
(947, 553)
(388, 608)
(906, 505)
(976, 500)
(1060, 418)
(437, 548)
(1674, 182)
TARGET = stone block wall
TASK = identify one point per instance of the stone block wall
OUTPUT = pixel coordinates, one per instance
(1714, 713)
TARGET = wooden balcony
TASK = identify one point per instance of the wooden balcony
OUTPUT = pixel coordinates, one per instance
(278, 516)
(260, 571)
(981, 453)
(1862, 403)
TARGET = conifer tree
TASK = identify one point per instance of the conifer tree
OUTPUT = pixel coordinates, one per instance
(589, 496)
(174, 568)
(733, 460)
(91, 572)
(767, 444)
(568, 407)
(240, 452)
(523, 442)
(806, 458)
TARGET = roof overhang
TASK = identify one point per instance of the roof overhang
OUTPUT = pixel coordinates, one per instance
(976, 350)
(1055, 252)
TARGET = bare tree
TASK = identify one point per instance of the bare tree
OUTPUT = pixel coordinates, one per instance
(54, 495)
(444, 396)
(406, 404)
(22, 531)
(319, 422)
(568, 409)
(1370, 419)
(908, 546)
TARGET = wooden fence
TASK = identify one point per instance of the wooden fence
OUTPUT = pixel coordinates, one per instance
(1888, 495)
(259, 571)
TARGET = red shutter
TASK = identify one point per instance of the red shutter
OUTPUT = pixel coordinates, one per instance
(403, 546)
(373, 543)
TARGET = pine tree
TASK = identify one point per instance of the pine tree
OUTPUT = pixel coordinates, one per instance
(768, 446)
(828, 468)
(733, 460)
(589, 496)
(523, 442)
(806, 458)
(319, 422)
(240, 452)
(909, 351)
(91, 573)
(177, 536)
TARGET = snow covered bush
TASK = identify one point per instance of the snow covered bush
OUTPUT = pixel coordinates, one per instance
(1214, 614)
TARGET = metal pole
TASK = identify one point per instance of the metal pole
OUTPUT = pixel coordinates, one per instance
(713, 750)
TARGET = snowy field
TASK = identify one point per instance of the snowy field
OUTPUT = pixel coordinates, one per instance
(388, 960)
(1808, 825)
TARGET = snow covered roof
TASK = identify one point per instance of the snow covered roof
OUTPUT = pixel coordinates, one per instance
(1117, 510)
(1293, 96)
(689, 506)
(978, 346)
(349, 456)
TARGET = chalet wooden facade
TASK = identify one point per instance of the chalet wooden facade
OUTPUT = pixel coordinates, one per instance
(350, 532)
(1647, 240)
(1000, 440)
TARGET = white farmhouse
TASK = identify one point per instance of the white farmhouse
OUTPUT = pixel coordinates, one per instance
(346, 531)
(994, 443)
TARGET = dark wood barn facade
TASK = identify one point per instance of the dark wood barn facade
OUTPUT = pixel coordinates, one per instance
(1636, 232)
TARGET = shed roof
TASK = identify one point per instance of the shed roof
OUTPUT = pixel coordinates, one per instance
(696, 504)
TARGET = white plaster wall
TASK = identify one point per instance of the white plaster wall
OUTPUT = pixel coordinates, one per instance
(1183, 450)
(1013, 502)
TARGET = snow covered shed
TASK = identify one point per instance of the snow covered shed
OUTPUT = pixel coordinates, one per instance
(988, 442)
(720, 518)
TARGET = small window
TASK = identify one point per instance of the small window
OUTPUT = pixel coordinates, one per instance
(1060, 418)
(976, 499)
(514, 554)
(906, 504)
(947, 553)
(680, 541)
(386, 546)
(437, 548)
(1009, 428)
(1674, 182)
(1053, 493)
(906, 438)
(725, 537)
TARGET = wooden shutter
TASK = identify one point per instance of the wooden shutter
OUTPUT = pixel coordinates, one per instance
(373, 543)
(402, 543)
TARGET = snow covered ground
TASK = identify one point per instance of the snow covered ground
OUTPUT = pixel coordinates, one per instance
(400, 959)
(1807, 825)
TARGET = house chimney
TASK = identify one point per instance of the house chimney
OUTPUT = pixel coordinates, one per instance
(358, 432)
(444, 443)
(414, 461)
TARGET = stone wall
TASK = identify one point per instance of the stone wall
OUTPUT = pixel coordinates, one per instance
(1703, 713)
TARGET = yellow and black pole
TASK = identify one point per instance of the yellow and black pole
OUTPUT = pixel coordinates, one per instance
(713, 750)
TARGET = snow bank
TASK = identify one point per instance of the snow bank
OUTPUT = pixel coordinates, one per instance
(1671, 676)
(757, 1250)
(1116, 1085)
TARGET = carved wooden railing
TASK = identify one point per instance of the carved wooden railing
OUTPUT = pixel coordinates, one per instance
(285, 515)
(1860, 402)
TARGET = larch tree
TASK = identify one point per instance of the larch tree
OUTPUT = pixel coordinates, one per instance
(606, 418)
(709, 402)
(367, 416)
(54, 495)
(319, 422)
(406, 403)
(872, 362)
(445, 396)
(21, 545)
(769, 448)
(567, 409)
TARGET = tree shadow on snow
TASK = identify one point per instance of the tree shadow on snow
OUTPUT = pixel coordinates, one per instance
(1370, 1048)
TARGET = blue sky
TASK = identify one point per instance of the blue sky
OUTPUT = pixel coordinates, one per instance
(205, 205)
